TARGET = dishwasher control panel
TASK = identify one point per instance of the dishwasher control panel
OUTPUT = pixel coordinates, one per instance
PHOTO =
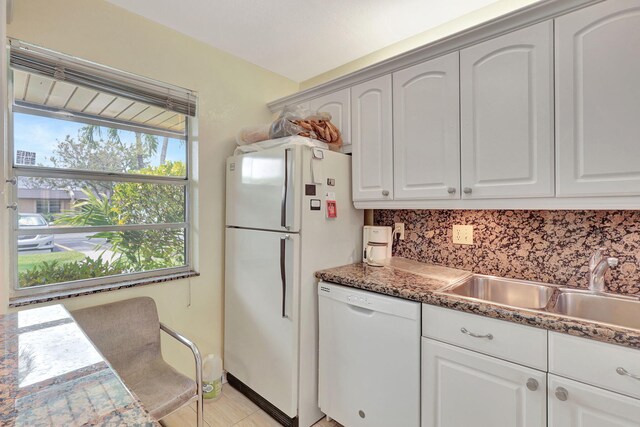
(361, 301)
(369, 300)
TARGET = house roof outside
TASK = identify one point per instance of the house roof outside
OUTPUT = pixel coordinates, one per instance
(47, 193)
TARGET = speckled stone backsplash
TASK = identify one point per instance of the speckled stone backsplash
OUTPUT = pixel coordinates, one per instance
(546, 246)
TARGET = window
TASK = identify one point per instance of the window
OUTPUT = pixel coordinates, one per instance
(45, 206)
(101, 160)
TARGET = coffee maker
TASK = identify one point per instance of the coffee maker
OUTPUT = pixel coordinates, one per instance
(376, 245)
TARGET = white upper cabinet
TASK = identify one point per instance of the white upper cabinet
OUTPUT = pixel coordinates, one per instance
(372, 140)
(426, 130)
(338, 104)
(506, 98)
(598, 100)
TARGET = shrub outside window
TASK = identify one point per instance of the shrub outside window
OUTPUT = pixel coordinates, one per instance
(101, 165)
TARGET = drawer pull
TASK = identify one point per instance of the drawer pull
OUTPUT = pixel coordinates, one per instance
(532, 384)
(562, 393)
(622, 371)
(471, 334)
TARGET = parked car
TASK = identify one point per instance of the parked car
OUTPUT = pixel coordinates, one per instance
(37, 242)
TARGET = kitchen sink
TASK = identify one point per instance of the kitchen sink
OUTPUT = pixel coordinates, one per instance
(512, 292)
(616, 310)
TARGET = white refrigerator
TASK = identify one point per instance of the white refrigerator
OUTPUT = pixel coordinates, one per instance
(289, 213)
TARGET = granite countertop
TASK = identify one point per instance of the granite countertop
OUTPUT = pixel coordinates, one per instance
(412, 280)
(51, 374)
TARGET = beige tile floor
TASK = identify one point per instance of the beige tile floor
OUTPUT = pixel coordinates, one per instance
(231, 409)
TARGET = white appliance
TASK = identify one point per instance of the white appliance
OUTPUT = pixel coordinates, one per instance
(376, 244)
(280, 231)
(369, 371)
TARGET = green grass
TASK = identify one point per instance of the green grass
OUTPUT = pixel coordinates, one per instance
(26, 262)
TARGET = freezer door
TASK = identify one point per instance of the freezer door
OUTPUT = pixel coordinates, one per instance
(261, 313)
(263, 190)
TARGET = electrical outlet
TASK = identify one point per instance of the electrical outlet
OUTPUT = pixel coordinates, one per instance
(399, 229)
(463, 234)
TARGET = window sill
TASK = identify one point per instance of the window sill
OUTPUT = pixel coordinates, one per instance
(58, 295)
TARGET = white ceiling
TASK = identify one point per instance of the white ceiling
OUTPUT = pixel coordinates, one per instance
(301, 39)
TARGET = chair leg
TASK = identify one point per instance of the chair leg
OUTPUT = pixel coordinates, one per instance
(200, 411)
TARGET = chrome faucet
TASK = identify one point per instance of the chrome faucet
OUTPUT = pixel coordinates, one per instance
(598, 266)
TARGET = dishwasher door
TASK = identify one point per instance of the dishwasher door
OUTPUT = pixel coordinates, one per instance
(369, 364)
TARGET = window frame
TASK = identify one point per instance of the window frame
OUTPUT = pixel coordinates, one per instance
(16, 171)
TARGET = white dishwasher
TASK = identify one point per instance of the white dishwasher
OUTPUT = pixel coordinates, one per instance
(369, 364)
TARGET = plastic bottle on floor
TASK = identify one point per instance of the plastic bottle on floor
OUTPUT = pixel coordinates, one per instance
(212, 377)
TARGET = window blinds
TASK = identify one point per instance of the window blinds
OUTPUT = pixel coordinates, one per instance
(33, 59)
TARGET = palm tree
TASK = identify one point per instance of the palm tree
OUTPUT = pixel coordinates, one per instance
(89, 132)
(163, 152)
(146, 145)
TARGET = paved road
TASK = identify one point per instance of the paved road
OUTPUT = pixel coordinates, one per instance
(80, 242)
(76, 242)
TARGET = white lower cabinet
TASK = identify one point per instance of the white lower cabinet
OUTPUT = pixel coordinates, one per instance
(465, 388)
(573, 404)
(589, 383)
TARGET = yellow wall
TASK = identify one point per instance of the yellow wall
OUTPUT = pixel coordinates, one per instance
(232, 93)
(469, 20)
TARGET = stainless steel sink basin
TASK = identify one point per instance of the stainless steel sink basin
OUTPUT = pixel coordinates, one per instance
(616, 310)
(512, 292)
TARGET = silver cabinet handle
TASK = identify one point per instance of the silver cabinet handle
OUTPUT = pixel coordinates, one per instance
(562, 394)
(471, 334)
(283, 273)
(532, 384)
(13, 206)
(285, 190)
(451, 190)
(467, 190)
(385, 193)
(13, 180)
(622, 371)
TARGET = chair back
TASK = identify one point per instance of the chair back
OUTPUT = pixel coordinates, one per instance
(127, 333)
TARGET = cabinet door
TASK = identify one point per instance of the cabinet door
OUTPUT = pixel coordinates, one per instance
(598, 100)
(372, 140)
(506, 99)
(426, 130)
(338, 104)
(464, 388)
(587, 406)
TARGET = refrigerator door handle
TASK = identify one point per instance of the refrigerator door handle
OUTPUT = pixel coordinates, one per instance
(283, 273)
(285, 190)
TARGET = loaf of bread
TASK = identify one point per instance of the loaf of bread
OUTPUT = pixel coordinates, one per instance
(322, 130)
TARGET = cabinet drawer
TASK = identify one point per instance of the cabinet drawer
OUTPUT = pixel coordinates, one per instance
(509, 341)
(595, 363)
